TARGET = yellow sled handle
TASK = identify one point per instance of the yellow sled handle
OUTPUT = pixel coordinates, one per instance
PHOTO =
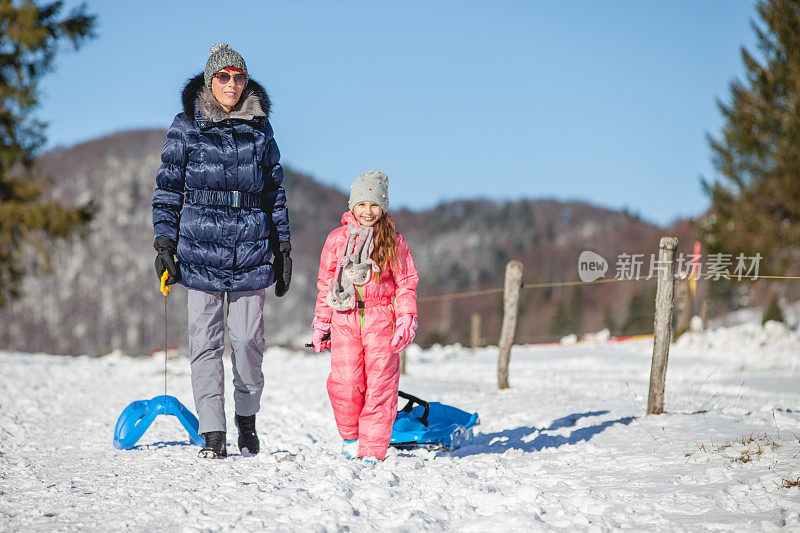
(164, 287)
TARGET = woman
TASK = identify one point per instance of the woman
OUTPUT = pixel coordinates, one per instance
(219, 205)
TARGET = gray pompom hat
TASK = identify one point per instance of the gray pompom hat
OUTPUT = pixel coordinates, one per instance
(221, 56)
(370, 187)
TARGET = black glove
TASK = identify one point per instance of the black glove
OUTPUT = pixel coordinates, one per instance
(165, 259)
(283, 269)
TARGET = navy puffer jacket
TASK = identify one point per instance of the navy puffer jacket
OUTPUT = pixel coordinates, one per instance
(219, 191)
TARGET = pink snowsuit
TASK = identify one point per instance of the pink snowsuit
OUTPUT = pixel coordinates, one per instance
(364, 375)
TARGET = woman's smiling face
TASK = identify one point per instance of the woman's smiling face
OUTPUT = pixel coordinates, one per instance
(227, 94)
(367, 213)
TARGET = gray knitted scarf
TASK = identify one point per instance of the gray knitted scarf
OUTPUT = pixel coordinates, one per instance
(353, 268)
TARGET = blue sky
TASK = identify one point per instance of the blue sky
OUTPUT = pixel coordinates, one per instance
(602, 101)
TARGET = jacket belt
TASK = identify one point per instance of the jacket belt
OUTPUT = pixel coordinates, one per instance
(229, 198)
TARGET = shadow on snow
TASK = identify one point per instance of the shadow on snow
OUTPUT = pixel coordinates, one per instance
(523, 438)
(162, 444)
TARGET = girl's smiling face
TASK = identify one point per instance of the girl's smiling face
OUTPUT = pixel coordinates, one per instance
(367, 213)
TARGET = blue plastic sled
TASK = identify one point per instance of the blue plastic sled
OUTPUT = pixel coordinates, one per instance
(432, 425)
(138, 416)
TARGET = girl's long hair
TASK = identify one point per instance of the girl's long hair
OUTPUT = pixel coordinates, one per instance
(384, 237)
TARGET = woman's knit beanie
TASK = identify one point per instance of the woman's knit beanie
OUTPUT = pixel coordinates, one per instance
(370, 187)
(221, 56)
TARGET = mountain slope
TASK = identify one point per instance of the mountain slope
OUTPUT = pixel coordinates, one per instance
(102, 293)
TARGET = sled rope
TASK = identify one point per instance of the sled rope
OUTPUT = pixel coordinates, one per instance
(165, 291)
(165, 346)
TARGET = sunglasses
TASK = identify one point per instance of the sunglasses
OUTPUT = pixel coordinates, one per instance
(224, 78)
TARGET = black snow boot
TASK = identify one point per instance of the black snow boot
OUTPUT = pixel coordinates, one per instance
(215, 446)
(248, 440)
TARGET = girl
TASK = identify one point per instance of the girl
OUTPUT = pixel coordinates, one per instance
(220, 207)
(367, 302)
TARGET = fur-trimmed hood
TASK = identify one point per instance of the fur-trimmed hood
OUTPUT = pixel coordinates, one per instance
(254, 102)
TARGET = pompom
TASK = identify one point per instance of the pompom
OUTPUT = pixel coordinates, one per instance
(377, 174)
(217, 47)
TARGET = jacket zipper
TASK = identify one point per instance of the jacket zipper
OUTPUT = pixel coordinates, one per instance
(360, 309)
(236, 210)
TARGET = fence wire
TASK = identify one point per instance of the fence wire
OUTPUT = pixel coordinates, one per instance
(545, 285)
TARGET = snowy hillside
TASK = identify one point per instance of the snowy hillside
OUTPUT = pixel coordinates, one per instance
(566, 448)
(101, 294)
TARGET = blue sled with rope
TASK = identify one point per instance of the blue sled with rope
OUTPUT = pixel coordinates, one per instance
(432, 425)
(138, 416)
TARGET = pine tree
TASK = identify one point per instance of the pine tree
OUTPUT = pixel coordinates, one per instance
(608, 320)
(30, 36)
(773, 310)
(568, 315)
(755, 205)
(641, 314)
(576, 310)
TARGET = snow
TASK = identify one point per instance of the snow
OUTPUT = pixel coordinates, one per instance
(566, 447)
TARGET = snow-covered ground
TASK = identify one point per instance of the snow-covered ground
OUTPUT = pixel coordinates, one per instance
(566, 447)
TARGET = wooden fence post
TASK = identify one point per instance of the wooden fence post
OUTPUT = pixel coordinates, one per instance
(446, 323)
(510, 307)
(704, 312)
(683, 305)
(662, 327)
(475, 331)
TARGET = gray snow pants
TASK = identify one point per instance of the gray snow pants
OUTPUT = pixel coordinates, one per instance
(206, 344)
